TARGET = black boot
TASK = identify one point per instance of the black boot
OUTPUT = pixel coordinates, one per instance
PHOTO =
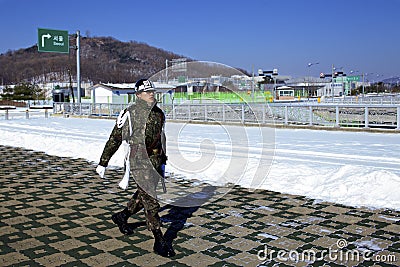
(121, 219)
(162, 247)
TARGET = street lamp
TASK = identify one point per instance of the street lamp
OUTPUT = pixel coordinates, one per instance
(333, 74)
(365, 74)
(363, 78)
(309, 77)
(310, 64)
(377, 82)
(353, 72)
(338, 68)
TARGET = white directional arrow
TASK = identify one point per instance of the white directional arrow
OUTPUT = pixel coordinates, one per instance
(47, 36)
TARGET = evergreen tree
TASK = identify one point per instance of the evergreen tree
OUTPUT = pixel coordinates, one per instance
(23, 91)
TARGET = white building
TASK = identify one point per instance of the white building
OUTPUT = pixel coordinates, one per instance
(122, 93)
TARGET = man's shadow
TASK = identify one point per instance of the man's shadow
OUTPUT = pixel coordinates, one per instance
(182, 209)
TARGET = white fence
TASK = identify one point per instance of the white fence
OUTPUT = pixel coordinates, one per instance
(312, 114)
(370, 99)
(10, 112)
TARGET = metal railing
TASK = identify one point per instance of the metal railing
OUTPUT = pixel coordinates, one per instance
(311, 114)
(367, 99)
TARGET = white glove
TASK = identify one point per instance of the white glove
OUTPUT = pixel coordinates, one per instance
(124, 182)
(101, 170)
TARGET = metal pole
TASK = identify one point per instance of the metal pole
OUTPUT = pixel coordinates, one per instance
(286, 115)
(337, 116)
(173, 111)
(78, 66)
(252, 83)
(332, 83)
(166, 71)
(363, 86)
(242, 113)
(263, 113)
(366, 117)
(223, 113)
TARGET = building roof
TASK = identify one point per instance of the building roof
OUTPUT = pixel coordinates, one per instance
(129, 88)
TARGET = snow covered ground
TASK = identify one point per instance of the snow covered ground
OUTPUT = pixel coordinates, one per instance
(351, 168)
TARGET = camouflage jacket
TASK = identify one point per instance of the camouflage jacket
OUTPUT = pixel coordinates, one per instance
(140, 128)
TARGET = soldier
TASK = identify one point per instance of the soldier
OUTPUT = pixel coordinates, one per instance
(139, 128)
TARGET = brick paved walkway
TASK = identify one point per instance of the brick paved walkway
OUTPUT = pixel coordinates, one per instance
(56, 212)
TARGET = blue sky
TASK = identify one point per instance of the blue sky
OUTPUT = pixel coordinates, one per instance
(358, 35)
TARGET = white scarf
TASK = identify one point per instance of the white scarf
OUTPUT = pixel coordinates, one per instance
(122, 117)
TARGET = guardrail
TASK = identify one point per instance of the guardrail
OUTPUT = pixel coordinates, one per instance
(311, 114)
(33, 111)
(367, 99)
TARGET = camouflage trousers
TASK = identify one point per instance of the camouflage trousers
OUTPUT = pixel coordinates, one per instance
(141, 199)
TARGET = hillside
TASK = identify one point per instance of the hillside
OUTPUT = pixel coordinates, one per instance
(103, 59)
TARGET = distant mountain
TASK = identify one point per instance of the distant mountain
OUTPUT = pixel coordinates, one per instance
(392, 80)
(103, 59)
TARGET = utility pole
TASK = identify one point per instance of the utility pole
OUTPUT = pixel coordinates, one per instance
(70, 86)
(78, 66)
(363, 84)
(332, 84)
(166, 71)
(252, 82)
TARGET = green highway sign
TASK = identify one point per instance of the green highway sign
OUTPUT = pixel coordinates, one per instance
(53, 41)
(353, 78)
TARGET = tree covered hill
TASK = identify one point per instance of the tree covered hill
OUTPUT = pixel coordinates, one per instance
(103, 59)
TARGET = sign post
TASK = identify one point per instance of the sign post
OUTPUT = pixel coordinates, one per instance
(58, 41)
(53, 41)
